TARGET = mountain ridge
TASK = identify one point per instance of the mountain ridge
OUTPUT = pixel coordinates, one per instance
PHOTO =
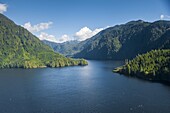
(21, 49)
(125, 41)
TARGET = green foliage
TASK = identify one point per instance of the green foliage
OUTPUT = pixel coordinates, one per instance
(128, 69)
(19, 48)
(119, 42)
(154, 64)
(127, 40)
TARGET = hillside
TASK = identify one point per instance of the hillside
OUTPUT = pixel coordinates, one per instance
(127, 40)
(21, 49)
(67, 48)
(154, 65)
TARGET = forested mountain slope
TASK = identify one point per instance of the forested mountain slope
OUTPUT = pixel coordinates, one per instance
(20, 48)
(127, 40)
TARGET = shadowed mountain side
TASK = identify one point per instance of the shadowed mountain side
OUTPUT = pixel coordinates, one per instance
(127, 40)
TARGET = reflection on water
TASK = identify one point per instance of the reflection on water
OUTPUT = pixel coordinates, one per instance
(80, 89)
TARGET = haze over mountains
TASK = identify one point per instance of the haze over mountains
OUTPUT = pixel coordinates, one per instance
(68, 48)
(120, 42)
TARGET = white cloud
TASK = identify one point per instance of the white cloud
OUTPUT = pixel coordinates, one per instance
(3, 8)
(45, 36)
(64, 38)
(38, 27)
(52, 38)
(85, 33)
(164, 17)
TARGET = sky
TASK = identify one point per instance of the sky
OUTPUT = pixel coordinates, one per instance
(64, 20)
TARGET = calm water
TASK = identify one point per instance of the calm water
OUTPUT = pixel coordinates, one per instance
(88, 89)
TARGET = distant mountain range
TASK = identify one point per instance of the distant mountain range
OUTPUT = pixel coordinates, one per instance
(68, 48)
(120, 42)
(21, 49)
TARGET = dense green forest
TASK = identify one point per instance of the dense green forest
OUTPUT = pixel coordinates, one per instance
(154, 65)
(127, 40)
(120, 42)
(20, 48)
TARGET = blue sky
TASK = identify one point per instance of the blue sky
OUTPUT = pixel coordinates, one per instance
(81, 19)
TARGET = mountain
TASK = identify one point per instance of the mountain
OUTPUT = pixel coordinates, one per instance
(20, 48)
(154, 65)
(67, 48)
(126, 41)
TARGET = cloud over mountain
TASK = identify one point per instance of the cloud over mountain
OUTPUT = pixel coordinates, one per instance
(52, 38)
(37, 27)
(3, 8)
(164, 17)
(85, 33)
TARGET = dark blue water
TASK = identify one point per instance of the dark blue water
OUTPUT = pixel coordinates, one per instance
(88, 89)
